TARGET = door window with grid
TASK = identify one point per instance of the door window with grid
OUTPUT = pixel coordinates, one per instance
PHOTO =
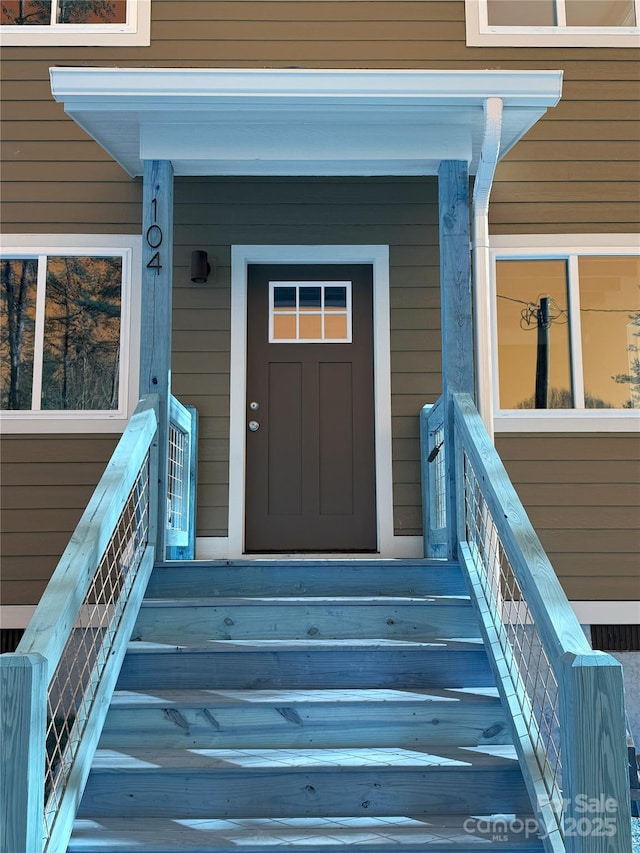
(310, 312)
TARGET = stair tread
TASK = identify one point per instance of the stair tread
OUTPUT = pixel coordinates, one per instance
(322, 835)
(384, 696)
(342, 576)
(147, 760)
(280, 561)
(308, 600)
(444, 644)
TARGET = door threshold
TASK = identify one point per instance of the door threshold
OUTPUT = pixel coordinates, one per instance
(319, 555)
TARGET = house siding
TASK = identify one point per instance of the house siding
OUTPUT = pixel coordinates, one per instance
(214, 214)
(582, 494)
(46, 482)
(576, 171)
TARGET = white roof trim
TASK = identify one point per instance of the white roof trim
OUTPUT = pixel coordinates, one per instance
(298, 121)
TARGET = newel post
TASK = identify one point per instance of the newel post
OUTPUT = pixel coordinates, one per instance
(595, 774)
(457, 314)
(155, 339)
(23, 721)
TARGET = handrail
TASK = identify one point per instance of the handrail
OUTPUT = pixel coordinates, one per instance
(566, 702)
(60, 604)
(555, 618)
(57, 686)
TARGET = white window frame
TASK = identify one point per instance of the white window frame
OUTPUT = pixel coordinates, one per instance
(135, 32)
(556, 247)
(129, 247)
(481, 34)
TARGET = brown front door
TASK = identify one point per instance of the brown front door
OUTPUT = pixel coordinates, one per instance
(310, 472)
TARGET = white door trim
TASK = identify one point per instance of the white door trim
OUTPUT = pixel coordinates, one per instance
(378, 257)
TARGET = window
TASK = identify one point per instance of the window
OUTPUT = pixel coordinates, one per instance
(310, 312)
(559, 23)
(75, 22)
(567, 331)
(67, 314)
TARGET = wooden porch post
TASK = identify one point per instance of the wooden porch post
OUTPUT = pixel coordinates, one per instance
(456, 320)
(595, 773)
(155, 339)
(23, 703)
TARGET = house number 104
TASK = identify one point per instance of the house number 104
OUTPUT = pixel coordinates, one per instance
(154, 239)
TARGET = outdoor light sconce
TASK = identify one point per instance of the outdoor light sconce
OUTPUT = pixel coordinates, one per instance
(200, 267)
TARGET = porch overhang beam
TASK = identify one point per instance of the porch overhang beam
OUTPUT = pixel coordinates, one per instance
(216, 121)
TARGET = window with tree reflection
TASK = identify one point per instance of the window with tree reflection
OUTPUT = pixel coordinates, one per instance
(571, 326)
(60, 338)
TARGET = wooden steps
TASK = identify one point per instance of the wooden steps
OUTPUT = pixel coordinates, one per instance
(229, 578)
(306, 664)
(437, 833)
(234, 783)
(301, 617)
(314, 704)
(233, 719)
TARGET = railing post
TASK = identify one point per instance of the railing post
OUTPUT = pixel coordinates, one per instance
(595, 781)
(457, 327)
(459, 498)
(433, 465)
(425, 480)
(190, 552)
(23, 707)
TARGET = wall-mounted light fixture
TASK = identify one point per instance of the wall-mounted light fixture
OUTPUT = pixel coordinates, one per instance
(200, 267)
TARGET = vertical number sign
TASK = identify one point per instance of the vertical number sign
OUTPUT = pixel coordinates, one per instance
(154, 239)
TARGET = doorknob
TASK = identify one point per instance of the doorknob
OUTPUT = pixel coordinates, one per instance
(254, 426)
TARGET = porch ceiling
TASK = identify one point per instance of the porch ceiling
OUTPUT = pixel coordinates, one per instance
(299, 121)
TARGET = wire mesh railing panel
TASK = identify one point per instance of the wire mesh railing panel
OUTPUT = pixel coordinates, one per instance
(528, 665)
(439, 482)
(75, 681)
(177, 474)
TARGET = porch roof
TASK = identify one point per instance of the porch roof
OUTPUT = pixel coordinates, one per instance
(216, 121)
